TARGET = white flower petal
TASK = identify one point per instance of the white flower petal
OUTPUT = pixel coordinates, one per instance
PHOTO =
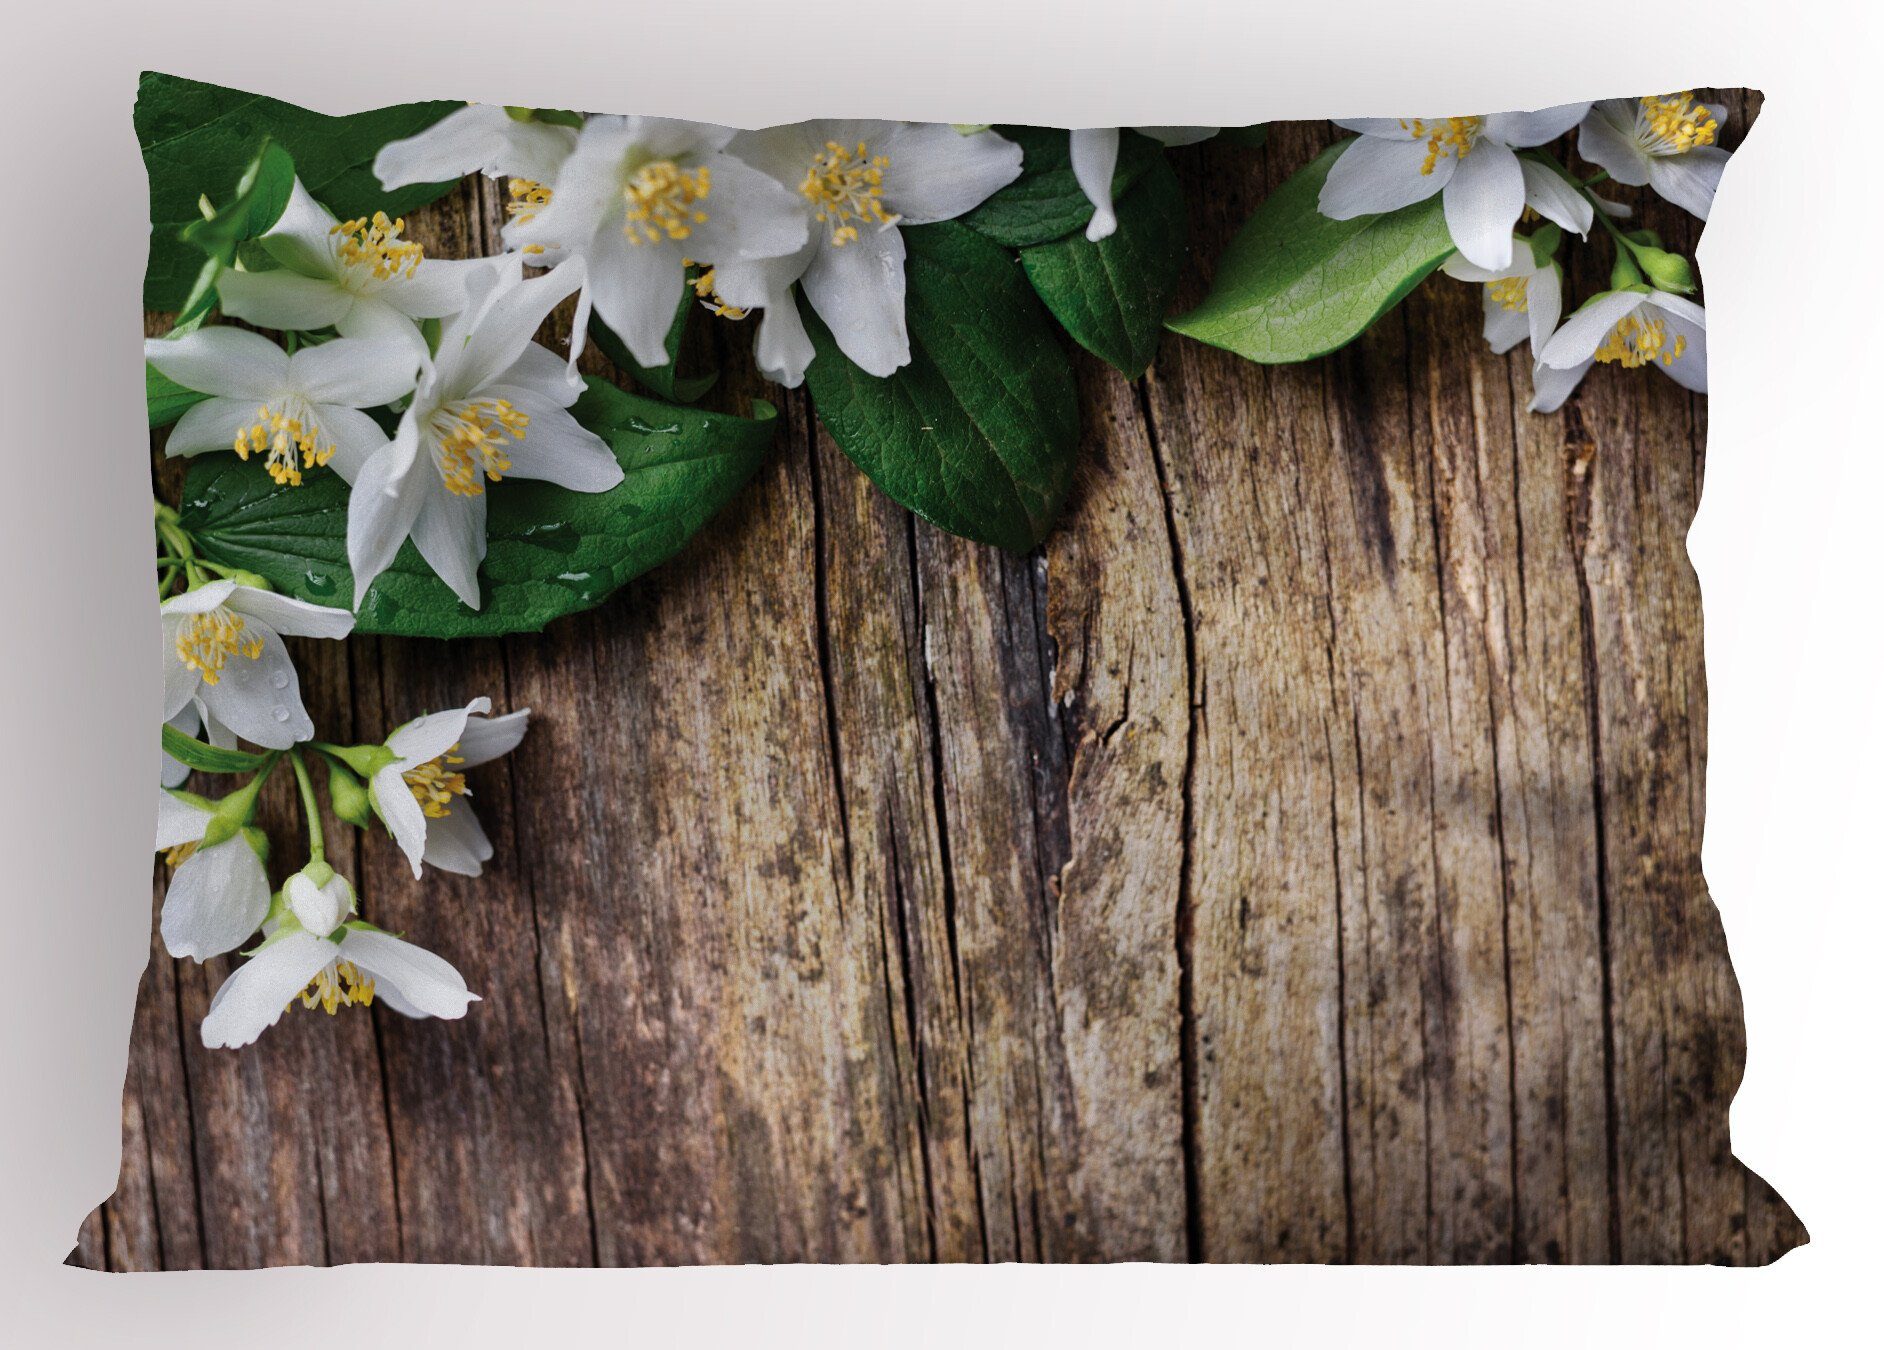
(1504, 328)
(1551, 386)
(179, 822)
(482, 344)
(386, 498)
(1176, 136)
(556, 448)
(260, 697)
(783, 349)
(304, 239)
(229, 362)
(1543, 295)
(1095, 156)
(402, 814)
(174, 772)
(749, 215)
(1546, 193)
(1373, 176)
(353, 372)
(858, 290)
(435, 289)
(425, 982)
(448, 531)
(587, 194)
(481, 138)
(486, 738)
(426, 738)
(1483, 201)
(636, 290)
(180, 680)
(355, 437)
(1524, 129)
(1386, 128)
(210, 425)
(255, 996)
(543, 373)
(456, 842)
(282, 299)
(936, 173)
(1583, 332)
(286, 615)
(217, 898)
(1606, 139)
(1690, 180)
(200, 600)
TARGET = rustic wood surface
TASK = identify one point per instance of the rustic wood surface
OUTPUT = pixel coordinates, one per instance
(1295, 859)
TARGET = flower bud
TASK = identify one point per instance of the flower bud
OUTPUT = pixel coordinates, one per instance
(348, 794)
(319, 906)
(1665, 271)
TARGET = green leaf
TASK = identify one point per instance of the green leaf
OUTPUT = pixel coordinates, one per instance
(197, 139)
(164, 399)
(552, 552)
(1294, 284)
(260, 198)
(1252, 137)
(977, 433)
(1112, 295)
(208, 758)
(1046, 201)
(666, 381)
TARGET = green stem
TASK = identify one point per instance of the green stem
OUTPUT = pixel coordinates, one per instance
(311, 807)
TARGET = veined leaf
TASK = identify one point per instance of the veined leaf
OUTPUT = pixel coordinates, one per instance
(552, 552)
(198, 138)
(1295, 285)
(1112, 295)
(164, 399)
(1046, 202)
(977, 433)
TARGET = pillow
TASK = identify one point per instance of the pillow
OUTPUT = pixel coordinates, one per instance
(882, 692)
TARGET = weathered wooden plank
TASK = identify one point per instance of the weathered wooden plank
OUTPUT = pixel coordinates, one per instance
(1297, 859)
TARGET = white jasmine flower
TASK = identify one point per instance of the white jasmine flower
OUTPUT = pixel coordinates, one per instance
(853, 183)
(1401, 160)
(296, 412)
(1521, 301)
(326, 962)
(218, 890)
(420, 792)
(1634, 327)
(1667, 143)
(359, 276)
(223, 650)
(1095, 153)
(478, 138)
(491, 404)
(637, 199)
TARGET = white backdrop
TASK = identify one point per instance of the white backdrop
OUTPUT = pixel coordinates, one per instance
(1786, 546)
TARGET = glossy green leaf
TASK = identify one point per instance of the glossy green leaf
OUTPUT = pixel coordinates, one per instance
(164, 399)
(1112, 295)
(1046, 201)
(199, 138)
(978, 432)
(1294, 284)
(188, 750)
(552, 552)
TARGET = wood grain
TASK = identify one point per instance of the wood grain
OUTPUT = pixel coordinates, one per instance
(1296, 859)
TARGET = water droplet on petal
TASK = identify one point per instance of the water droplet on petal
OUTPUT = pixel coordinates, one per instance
(279, 679)
(281, 714)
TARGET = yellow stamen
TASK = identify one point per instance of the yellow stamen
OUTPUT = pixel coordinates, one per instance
(663, 202)
(338, 985)
(182, 853)
(471, 438)
(279, 437)
(846, 186)
(205, 642)
(434, 784)
(1674, 125)
(1512, 293)
(526, 199)
(1636, 341)
(375, 244)
(1453, 136)
(703, 288)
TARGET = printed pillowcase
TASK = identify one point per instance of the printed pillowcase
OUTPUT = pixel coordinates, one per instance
(392, 415)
